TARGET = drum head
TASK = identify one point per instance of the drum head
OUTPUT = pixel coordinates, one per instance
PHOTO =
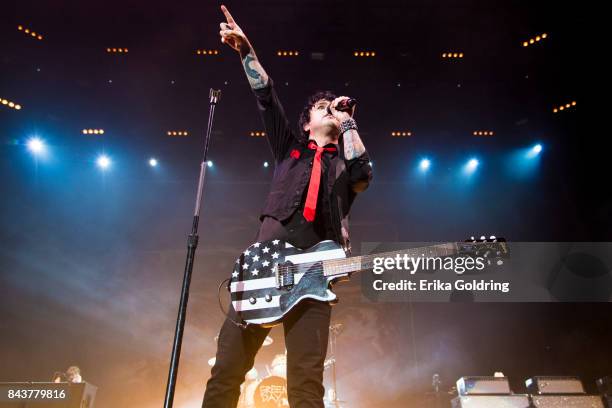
(271, 393)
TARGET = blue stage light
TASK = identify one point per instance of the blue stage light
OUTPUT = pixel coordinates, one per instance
(103, 161)
(424, 165)
(471, 165)
(209, 163)
(153, 162)
(534, 151)
(36, 146)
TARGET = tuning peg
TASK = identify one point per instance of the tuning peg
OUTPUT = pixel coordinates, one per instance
(500, 262)
(492, 237)
(472, 238)
(483, 238)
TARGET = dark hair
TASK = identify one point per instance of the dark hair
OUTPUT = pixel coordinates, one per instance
(312, 99)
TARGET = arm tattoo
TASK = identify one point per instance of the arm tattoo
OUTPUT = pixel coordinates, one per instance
(255, 73)
(353, 146)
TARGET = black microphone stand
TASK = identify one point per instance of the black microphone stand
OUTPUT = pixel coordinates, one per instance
(192, 244)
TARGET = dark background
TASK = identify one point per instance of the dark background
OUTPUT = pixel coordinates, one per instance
(92, 261)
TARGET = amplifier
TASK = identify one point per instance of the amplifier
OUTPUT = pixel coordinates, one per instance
(605, 385)
(567, 401)
(491, 401)
(554, 385)
(483, 385)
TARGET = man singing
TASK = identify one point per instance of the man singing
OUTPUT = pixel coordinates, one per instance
(317, 176)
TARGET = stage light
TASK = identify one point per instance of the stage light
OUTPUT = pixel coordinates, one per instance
(371, 164)
(402, 133)
(117, 50)
(471, 166)
(364, 54)
(103, 161)
(534, 40)
(564, 106)
(177, 133)
(257, 134)
(93, 131)
(31, 33)
(10, 104)
(282, 53)
(424, 165)
(534, 151)
(209, 163)
(207, 52)
(483, 133)
(266, 164)
(452, 55)
(153, 162)
(36, 146)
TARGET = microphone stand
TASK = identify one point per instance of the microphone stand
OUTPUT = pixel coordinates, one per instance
(334, 331)
(192, 244)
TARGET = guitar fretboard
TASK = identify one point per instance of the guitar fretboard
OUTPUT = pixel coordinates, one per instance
(364, 262)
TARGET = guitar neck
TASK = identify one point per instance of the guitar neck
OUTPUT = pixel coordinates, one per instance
(337, 267)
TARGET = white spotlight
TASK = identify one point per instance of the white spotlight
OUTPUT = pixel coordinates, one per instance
(153, 162)
(209, 163)
(266, 164)
(103, 161)
(424, 164)
(36, 145)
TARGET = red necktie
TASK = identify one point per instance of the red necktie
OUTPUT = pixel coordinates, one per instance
(310, 208)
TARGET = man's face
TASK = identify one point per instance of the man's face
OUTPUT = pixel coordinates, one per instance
(321, 121)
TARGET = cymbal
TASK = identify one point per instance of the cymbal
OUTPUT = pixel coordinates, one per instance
(211, 361)
(268, 340)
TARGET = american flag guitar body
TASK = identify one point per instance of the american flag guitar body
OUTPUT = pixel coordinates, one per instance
(271, 277)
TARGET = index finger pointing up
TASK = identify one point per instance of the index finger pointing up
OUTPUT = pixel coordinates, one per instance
(228, 16)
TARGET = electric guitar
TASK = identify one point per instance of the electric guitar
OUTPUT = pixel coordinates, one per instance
(271, 277)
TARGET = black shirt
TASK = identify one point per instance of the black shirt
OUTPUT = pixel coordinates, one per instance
(341, 179)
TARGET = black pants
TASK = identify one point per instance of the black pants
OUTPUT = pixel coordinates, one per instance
(306, 329)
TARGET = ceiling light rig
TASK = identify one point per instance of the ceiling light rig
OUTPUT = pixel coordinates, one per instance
(452, 55)
(207, 52)
(483, 133)
(401, 134)
(177, 133)
(364, 53)
(535, 39)
(564, 107)
(257, 134)
(117, 50)
(30, 32)
(284, 53)
(93, 131)
(10, 104)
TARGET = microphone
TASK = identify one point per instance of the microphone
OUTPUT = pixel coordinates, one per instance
(344, 105)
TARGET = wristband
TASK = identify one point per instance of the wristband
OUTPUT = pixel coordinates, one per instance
(348, 124)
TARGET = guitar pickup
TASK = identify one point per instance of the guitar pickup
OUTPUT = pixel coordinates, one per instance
(284, 277)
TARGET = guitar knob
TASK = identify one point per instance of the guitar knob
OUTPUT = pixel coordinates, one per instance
(268, 297)
(252, 300)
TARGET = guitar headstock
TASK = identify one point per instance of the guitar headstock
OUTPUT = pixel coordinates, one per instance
(493, 249)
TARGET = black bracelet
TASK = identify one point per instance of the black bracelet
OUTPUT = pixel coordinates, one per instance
(348, 124)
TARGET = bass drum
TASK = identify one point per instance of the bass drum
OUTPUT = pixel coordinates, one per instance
(271, 393)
